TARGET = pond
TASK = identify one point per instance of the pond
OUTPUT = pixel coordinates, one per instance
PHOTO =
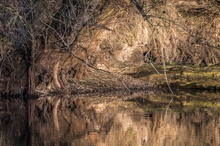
(140, 119)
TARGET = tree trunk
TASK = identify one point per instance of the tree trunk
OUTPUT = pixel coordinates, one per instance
(31, 83)
(31, 90)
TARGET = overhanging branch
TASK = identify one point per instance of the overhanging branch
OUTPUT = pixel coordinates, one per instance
(140, 9)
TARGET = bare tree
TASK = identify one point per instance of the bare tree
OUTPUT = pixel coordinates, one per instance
(28, 28)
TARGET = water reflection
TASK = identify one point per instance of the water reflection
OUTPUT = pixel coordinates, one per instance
(137, 120)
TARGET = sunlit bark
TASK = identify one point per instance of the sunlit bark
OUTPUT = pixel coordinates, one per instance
(55, 114)
(55, 75)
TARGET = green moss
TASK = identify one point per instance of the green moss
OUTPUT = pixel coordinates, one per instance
(183, 77)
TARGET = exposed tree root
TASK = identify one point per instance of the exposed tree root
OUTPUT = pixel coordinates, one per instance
(55, 74)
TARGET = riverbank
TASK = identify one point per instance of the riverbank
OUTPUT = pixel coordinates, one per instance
(99, 81)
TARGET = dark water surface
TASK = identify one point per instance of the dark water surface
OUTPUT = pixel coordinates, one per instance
(192, 119)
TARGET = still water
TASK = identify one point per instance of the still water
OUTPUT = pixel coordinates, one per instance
(140, 119)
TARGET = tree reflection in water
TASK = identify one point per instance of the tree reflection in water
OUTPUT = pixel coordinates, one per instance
(104, 122)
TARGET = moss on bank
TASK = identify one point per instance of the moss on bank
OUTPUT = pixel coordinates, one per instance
(180, 77)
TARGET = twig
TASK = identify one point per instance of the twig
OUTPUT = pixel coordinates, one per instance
(89, 65)
(126, 86)
(140, 9)
(168, 84)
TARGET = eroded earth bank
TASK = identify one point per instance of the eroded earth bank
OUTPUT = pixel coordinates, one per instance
(81, 47)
